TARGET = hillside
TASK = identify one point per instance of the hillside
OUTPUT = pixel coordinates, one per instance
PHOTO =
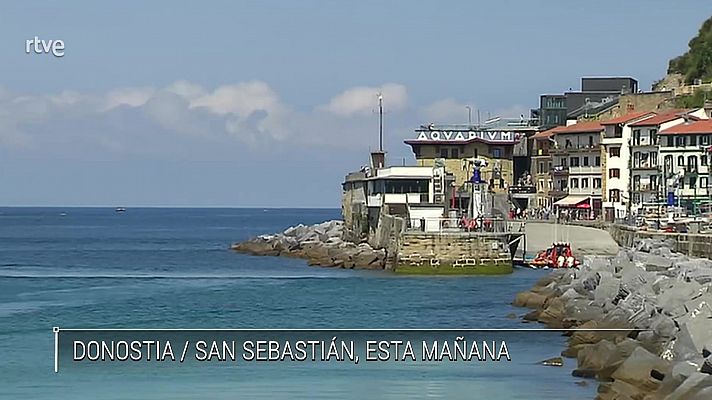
(696, 63)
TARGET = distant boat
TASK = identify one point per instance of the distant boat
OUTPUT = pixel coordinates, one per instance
(120, 209)
(64, 214)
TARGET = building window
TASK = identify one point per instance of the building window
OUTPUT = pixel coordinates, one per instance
(574, 161)
(596, 183)
(590, 141)
(653, 136)
(693, 182)
(668, 163)
(636, 137)
(598, 161)
(705, 140)
(636, 182)
(636, 159)
(670, 141)
(574, 183)
(614, 173)
(680, 141)
(615, 151)
(614, 195)
(703, 159)
(680, 161)
(703, 182)
(654, 158)
(443, 152)
(416, 151)
(692, 163)
(455, 153)
(693, 140)
(585, 161)
(496, 152)
(584, 183)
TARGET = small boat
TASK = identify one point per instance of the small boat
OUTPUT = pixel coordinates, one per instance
(559, 255)
(120, 209)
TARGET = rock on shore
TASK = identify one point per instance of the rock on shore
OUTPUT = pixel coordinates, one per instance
(321, 244)
(662, 300)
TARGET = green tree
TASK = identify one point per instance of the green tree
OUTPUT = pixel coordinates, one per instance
(696, 63)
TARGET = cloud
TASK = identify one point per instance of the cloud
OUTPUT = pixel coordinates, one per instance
(132, 97)
(187, 118)
(363, 100)
(447, 111)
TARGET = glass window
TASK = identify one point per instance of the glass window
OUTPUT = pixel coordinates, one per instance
(614, 195)
(443, 152)
(615, 151)
(670, 141)
(703, 182)
(596, 183)
(496, 152)
(692, 163)
(693, 182)
(693, 140)
(574, 183)
(598, 161)
(574, 161)
(703, 159)
(585, 161)
(614, 173)
(584, 183)
(680, 161)
(680, 141)
(455, 153)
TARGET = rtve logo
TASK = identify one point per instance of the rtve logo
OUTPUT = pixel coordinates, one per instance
(41, 46)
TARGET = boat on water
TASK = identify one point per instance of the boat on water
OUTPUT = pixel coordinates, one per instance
(120, 209)
(559, 255)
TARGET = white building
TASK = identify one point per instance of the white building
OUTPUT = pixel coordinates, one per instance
(404, 185)
(684, 151)
(617, 138)
(576, 166)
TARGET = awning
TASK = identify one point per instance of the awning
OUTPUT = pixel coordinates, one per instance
(572, 201)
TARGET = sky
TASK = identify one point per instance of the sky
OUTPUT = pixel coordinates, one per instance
(270, 103)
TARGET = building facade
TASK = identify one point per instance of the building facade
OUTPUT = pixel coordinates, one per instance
(576, 166)
(684, 149)
(542, 166)
(616, 152)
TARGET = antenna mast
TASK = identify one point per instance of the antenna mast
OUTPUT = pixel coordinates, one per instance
(380, 121)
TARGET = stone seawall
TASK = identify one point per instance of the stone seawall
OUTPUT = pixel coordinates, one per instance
(660, 299)
(693, 245)
(320, 244)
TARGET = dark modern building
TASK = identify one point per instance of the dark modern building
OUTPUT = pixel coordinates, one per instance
(555, 109)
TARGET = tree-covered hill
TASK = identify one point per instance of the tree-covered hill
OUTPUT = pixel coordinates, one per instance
(696, 63)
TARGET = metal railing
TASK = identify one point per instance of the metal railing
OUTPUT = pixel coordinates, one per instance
(456, 225)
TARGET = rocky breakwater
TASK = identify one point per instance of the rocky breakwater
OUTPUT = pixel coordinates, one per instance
(661, 300)
(321, 244)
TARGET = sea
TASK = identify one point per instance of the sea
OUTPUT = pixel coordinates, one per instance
(155, 268)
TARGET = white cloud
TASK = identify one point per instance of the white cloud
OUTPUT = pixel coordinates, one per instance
(132, 97)
(447, 111)
(151, 120)
(241, 99)
(363, 100)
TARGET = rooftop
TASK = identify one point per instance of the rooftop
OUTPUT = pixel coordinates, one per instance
(624, 119)
(701, 127)
(662, 118)
(580, 127)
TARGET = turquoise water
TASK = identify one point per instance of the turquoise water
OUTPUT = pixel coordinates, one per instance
(94, 268)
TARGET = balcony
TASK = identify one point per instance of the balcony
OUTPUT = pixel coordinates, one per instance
(645, 188)
(559, 170)
(589, 170)
(645, 165)
(574, 150)
(522, 189)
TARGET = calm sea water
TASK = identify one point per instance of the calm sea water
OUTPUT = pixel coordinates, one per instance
(94, 268)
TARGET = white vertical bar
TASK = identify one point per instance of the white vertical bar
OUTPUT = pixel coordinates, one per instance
(56, 349)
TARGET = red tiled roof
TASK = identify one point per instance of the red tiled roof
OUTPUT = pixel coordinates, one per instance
(662, 118)
(581, 127)
(627, 118)
(701, 127)
(546, 134)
